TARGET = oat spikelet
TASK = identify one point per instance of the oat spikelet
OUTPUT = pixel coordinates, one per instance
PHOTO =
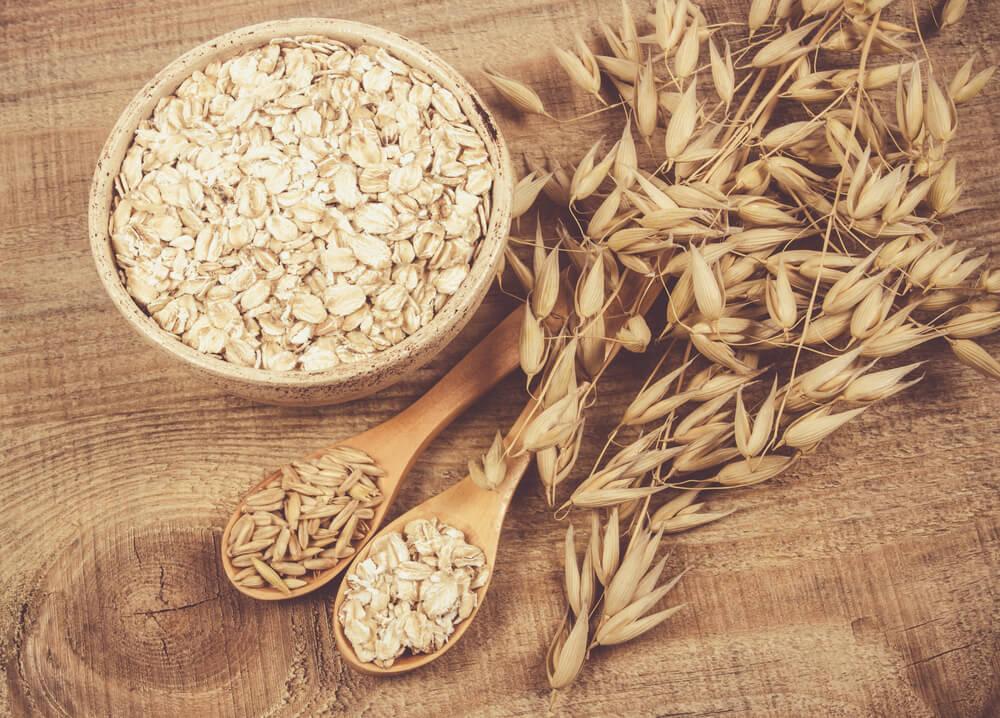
(590, 290)
(723, 73)
(546, 461)
(614, 41)
(878, 192)
(973, 355)
(605, 217)
(571, 580)
(953, 11)
(910, 112)
(879, 385)
(826, 328)
(719, 353)
(493, 464)
(646, 100)
(517, 93)
(589, 176)
(585, 166)
(754, 441)
(691, 518)
(961, 76)
(567, 653)
(671, 508)
(850, 290)
(859, 176)
(546, 289)
(868, 313)
(606, 498)
(760, 11)
(928, 261)
(678, 22)
(973, 87)
(785, 48)
(894, 341)
(634, 335)
(686, 59)
(637, 412)
(630, 36)
(648, 582)
(831, 374)
(553, 425)
(683, 122)
(747, 472)
(626, 159)
(636, 562)
(708, 295)
(940, 112)
(526, 192)
(557, 188)
(780, 298)
(790, 134)
(899, 208)
(972, 325)
(629, 622)
(875, 77)
(562, 376)
(622, 72)
(581, 67)
(811, 429)
(699, 416)
(945, 189)
(520, 269)
(662, 21)
(602, 553)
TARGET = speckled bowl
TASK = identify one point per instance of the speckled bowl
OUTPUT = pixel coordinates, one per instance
(347, 381)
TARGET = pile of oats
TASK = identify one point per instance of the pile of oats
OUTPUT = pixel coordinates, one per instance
(409, 594)
(300, 205)
(306, 521)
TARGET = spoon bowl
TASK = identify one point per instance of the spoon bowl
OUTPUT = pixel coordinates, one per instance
(376, 443)
(475, 512)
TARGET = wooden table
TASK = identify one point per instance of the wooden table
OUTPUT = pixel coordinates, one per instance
(864, 583)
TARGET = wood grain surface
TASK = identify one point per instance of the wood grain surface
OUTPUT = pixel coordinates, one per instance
(863, 583)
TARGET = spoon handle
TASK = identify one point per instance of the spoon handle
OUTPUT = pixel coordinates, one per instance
(474, 375)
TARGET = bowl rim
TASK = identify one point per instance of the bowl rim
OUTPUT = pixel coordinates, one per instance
(445, 324)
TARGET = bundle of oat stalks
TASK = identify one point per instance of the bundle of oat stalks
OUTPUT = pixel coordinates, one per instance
(794, 224)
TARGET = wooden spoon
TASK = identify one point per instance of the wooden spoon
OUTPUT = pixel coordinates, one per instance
(395, 444)
(477, 513)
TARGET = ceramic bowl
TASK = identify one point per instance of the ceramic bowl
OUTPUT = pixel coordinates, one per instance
(346, 381)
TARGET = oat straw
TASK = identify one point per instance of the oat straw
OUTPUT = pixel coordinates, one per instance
(795, 221)
(517, 93)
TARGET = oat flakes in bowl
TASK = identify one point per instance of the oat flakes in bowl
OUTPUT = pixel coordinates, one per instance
(304, 217)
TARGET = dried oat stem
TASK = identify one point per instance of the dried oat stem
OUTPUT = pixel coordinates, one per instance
(803, 222)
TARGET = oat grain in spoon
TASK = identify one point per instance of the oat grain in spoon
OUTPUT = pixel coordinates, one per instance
(300, 527)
